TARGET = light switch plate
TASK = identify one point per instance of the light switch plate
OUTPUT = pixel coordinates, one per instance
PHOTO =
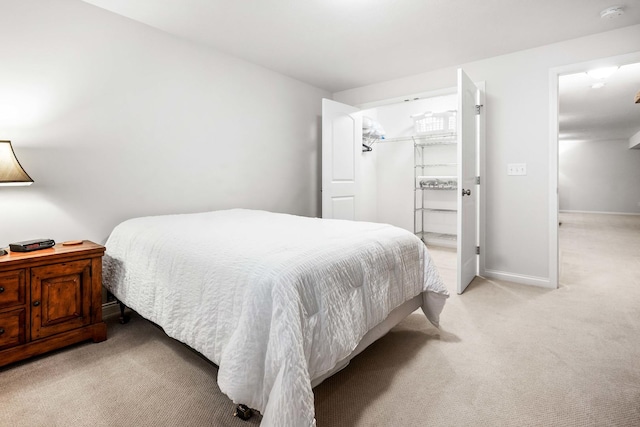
(517, 169)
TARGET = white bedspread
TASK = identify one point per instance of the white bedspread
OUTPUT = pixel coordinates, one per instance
(274, 300)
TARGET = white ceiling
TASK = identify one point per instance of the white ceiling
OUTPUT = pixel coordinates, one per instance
(343, 44)
(599, 114)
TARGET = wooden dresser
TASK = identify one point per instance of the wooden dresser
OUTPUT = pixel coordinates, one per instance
(50, 298)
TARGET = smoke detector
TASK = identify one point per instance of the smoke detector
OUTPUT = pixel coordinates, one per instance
(612, 12)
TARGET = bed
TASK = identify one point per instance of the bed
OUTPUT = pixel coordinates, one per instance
(279, 302)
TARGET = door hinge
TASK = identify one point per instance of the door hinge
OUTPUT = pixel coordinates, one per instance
(478, 107)
(477, 250)
(478, 180)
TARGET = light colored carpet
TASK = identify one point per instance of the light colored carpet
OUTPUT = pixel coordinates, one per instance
(506, 355)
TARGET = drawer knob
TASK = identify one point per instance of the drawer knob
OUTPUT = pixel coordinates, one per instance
(36, 303)
(1, 331)
(1, 289)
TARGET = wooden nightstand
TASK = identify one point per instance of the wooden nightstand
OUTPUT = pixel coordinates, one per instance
(49, 299)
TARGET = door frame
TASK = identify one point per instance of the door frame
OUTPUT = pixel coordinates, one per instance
(480, 237)
(554, 167)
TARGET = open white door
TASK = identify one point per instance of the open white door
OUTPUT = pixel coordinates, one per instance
(467, 187)
(341, 158)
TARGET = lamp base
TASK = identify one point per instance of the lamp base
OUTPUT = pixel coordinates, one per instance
(3, 252)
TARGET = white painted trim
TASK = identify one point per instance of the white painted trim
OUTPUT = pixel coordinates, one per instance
(522, 279)
(634, 141)
(554, 203)
(408, 98)
(483, 176)
(110, 309)
(554, 73)
(600, 212)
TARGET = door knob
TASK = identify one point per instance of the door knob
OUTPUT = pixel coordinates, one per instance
(1, 289)
(36, 303)
(466, 192)
(1, 331)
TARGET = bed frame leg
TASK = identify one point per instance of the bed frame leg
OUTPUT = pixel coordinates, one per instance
(124, 318)
(243, 412)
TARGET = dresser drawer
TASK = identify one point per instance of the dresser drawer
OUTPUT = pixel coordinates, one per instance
(12, 328)
(12, 288)
(50, 299)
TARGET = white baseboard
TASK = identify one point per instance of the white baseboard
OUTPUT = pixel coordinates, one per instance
(542, 282)
(110, 309)
(600, 212)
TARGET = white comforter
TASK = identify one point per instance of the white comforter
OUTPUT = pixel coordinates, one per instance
(274, 300)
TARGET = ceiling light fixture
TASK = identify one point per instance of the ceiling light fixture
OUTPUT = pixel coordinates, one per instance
(602, 73)
(598, 85)
(612, 12)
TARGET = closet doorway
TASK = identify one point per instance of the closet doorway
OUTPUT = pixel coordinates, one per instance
(389, 182)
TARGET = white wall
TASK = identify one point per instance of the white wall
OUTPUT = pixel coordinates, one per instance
(368, 190)
(395, 183)
(517, 131)
(114, 119)
(599, 176)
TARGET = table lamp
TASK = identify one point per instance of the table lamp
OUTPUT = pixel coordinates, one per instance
(11, 172)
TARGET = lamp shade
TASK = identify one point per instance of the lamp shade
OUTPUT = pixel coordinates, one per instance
(11, 173)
